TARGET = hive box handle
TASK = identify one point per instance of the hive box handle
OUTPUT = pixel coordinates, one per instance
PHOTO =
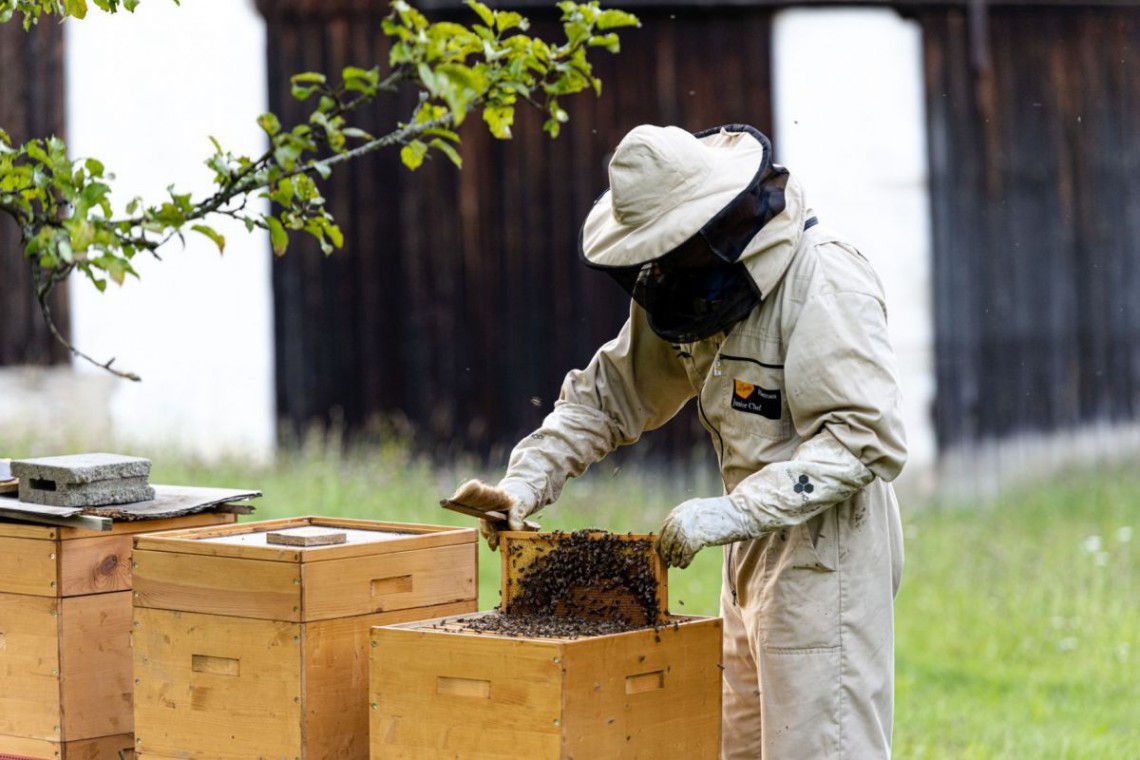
(463, 687)
(399, 584)
(642, 682)
(218, 666)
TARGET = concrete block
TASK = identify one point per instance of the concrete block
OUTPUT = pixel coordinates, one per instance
(83, 480)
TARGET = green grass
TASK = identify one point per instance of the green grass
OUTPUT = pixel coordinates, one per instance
(1018, 623)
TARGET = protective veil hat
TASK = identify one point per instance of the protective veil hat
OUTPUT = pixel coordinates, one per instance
(665, 184)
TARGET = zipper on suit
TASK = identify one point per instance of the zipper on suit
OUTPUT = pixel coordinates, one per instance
(731, 570)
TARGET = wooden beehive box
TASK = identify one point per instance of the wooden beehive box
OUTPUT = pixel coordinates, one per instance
(247, 649)
(439, 689)
(601, 575)
(65, 636)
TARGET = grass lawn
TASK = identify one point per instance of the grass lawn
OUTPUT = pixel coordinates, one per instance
(1018, 621)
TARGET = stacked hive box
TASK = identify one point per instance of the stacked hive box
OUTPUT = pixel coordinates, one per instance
(244, 648)
(65, 630)
(454, 687)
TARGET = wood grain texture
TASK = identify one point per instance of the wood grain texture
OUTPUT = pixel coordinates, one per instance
(95, 659)
(439, 692)
(99, 748)
(212, 716)
(28, 566)
(413, 718)
(217, 585)
(29, 661)
(385, 582)
(283, 689)
(94, 565)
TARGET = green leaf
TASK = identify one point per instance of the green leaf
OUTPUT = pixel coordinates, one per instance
(270, 123)
(484, 12)
(613, 19)
(322, 169)
(76, 8)
(361, 80)
(213, 234)
(356, 133)
(449, 150)
(499, 120)
(413, 154)
(308, 77)
(507, 20)
(94, 168)
(278, 237)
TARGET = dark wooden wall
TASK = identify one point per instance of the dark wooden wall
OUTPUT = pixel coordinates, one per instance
(458, 302)
(1035, 181)
(31, 105)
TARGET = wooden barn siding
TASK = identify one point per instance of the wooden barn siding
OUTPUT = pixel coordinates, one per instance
(459, 303)
(31, 105)
(1035, 182)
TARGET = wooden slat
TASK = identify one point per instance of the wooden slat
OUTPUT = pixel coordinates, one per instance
(178, 710)
(418, 536)
(29, 661)
(390, 581)
(217, 585)
(412, 718)
(95, 654)
(336, 679)
(101, 748)
(133, 527)
(28, 566)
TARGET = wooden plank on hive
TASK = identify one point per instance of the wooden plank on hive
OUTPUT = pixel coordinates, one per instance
(189, 541)
(95, 655)
(29, 660)
(198, 519)
(217, 585)
(392, 581)
(308, 535)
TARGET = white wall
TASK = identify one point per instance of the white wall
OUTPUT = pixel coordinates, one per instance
(850, 122)
(144, 93)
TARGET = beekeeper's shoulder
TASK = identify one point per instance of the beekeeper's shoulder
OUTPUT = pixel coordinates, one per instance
(828, 264)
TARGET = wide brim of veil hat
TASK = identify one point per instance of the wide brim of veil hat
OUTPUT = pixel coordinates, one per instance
(665, 184)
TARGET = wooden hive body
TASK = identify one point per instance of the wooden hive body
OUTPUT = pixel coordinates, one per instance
(248, 649)
(438, 690)
(65, 637)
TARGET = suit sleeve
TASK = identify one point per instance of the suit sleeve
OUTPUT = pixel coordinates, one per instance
(844, 400)
(633, 384)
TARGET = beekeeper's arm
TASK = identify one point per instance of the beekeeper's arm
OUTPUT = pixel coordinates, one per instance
(842, 390)
(634, 383)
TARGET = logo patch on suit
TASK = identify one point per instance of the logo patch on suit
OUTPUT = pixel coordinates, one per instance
(751, 398)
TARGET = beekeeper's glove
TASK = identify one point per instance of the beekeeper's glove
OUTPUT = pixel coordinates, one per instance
(698, 523)
(513, 497)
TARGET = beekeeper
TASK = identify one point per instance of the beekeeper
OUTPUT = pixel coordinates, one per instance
(779, 330)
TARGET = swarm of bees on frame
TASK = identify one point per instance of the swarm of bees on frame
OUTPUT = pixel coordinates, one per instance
(585, 583)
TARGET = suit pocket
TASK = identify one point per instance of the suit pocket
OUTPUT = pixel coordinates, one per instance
(753, 396)
(800, 599)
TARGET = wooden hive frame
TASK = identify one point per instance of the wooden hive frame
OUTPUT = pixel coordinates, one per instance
(522, 551)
